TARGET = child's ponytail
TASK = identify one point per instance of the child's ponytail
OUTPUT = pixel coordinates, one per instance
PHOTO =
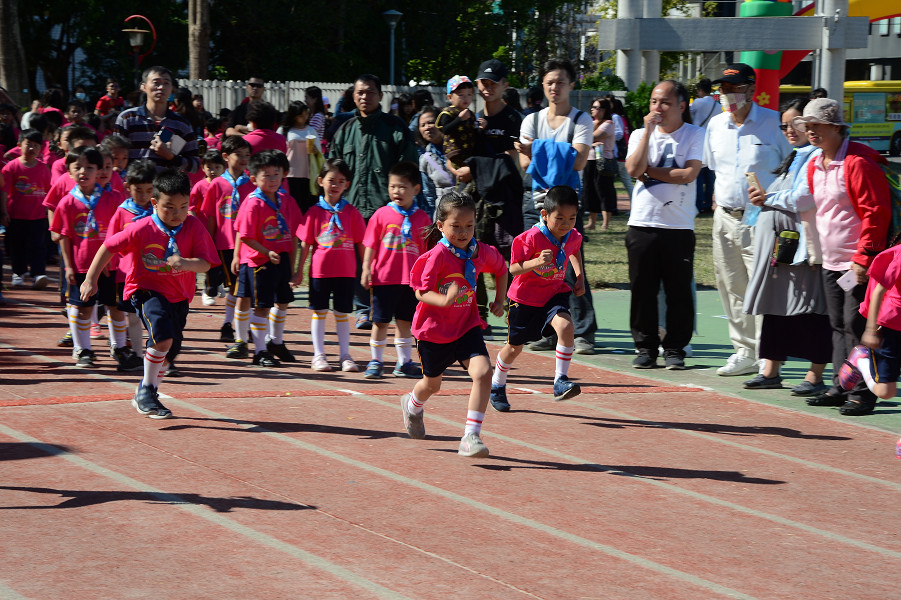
(448, 202)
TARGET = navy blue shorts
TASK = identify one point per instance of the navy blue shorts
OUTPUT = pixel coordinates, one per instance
(393, 302)
(436, 358)
(221, 274)
(888, 356)
(268, 284)
(339, 289)
(106, 291)
(121, 303)
(162, 319)
(527, 322)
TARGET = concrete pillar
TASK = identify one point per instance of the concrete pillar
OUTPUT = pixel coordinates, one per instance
(628, 62)
(832, 65)
(650, 59)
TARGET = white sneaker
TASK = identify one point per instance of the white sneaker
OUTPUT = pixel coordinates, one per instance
(738, 365)
(471, 445)
(320, 363)
(18, 280)
(40, 282)
(207, 300)
(348, 365)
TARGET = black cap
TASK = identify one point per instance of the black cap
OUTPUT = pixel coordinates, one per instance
(739, 73)
(492, 69)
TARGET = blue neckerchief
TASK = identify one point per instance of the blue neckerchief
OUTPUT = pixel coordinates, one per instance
(91, 203)
(335, 210)
(136, 209)
(108, 187)
(171, 247)
(407, 228)
(469, 269)
(236, 199)
(282, 223)
(561, 255)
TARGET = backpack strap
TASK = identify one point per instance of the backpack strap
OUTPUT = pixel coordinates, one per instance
(572, 127)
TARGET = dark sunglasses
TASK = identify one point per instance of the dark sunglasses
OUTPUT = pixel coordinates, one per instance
(785, 126)
(256, 85)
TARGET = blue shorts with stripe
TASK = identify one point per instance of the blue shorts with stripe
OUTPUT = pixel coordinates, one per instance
(162, 319)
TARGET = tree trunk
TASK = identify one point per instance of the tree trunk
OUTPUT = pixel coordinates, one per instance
(13, 76)
(198, 38)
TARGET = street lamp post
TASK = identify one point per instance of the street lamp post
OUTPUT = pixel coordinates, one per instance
(136, 40)
(391, 18)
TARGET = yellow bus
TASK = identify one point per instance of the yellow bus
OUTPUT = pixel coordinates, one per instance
(873, 108)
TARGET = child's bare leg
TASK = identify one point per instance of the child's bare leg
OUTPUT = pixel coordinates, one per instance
(479, 369)
(426, 387)
(403, 341)
(563, 325)
(504, 363)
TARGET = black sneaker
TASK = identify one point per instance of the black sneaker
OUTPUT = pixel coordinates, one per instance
(227, 333)
(127, 360)
(280, 351)
(239, 350)
(161, 411)
(144, 400)
(85, 359)
(854, 407)
(264, 359)
(65, 341)
(827, 399)
(498, 398)
(673, 361)
(174, 371)
(644, 361)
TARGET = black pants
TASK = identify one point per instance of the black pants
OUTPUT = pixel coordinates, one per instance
(25, 243)
(581, 308)
(847, 328)
(299, 188)
(658, 256)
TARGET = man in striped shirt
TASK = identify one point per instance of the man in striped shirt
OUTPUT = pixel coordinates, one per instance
(144, 126)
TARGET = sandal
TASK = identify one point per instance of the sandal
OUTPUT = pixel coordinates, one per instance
(856, 407)
(827, 400)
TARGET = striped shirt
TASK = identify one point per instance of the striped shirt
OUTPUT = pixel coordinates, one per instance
(138, 126)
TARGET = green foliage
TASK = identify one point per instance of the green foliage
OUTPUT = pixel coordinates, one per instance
(638, 102)
(607, 82)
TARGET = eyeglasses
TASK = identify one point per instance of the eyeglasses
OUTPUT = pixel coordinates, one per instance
(785, 126)
(256, 85)
(736, 89)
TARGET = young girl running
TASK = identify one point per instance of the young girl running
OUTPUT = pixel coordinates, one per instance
(447, 322)
(334, 232)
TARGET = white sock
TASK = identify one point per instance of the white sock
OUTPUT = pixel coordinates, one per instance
(73, 326)
(136, 333)
(501, 369)
(81, 329)
(230, 302)
(242, 325)
(94, 317)
(258, 327)
(277, 318)
(473, 422)
(378, 349)
(164, 368)
(414, 406)
(342, 324)
(404, 348)
(117, 332)
(564, 356)
(317, 331)
(865, 366)
(153, 363)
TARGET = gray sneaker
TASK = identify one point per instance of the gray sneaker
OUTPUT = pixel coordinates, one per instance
(471, 445)
(412, 423)
(583, 346)
(542, 345)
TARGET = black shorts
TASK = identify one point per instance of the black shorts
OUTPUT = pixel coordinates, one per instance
(339, 289)
(393, 302)
(121, 303)
(106, 291)
(527, 322)
(887, 357)
(436, 358)
(268, 284)
(162, 319)
(221, 274)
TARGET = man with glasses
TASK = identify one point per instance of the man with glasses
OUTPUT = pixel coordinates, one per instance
(237, 123)
(743, 139)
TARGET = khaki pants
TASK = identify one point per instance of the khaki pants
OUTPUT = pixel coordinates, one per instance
(733, 261)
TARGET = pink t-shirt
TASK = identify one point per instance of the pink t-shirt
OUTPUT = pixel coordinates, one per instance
(257, 221)
(198, 192)
(58, 169)
(71, 220)
(145, 246)
(214, 142)
(886, 270)
(435, 271)
(538, 286)
(217, 203)
(121, 219)
(59, 188)
(26, 188)
(265, 139)
(392, 259)
(335, 254)
(116, 181)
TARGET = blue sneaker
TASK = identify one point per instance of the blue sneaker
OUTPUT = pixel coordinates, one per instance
(408, 370)
(499, 398)
(373, 370)
(564, 389)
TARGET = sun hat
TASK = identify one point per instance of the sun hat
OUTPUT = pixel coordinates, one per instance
(820, 110)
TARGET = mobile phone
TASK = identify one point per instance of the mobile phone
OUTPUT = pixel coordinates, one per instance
(164, 134)
(753, 181)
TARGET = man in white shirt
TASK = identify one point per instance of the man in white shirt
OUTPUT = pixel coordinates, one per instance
(665, 158)
(704, 108)
(744, 139)
(562, 122)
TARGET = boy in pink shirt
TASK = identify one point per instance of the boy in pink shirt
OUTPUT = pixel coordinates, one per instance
(394, 240)
(539, 296)
(267, 229)
(219, 209)
(164, 252)
(333, 231)
(81, 220)
(263, 118)
(118, 147)
(24, 182)
(212, 165)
